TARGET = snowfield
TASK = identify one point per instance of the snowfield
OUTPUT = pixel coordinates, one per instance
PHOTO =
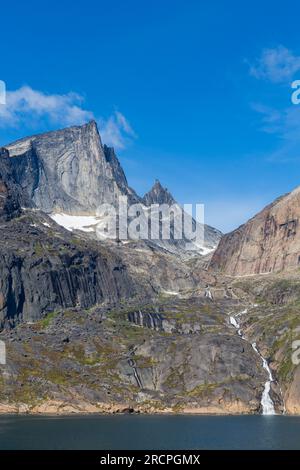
(86, 223)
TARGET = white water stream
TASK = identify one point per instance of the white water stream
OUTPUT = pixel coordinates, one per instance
(266, 401)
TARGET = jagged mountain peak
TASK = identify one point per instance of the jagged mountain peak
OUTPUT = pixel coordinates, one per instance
(158, 195)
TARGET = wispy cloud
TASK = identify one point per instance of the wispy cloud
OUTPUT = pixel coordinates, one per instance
(33, 109)
(285, 124)
(271, 118)
(277, 65)
(289, 133)
(116, 130)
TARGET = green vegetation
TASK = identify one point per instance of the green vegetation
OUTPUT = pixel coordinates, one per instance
(175, 379)
(203, 390)
(57, 376)
(143, 362)
(38, 248)
(46, 321)
(286, 367)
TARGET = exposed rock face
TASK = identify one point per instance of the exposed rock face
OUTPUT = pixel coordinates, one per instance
(97, 361)
(272, 321)
(69, 170)
(269, 242)
(43, 268)
(292, 402)
(10, 193)
(152, 320)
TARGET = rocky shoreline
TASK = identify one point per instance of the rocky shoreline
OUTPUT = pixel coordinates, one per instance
(81, 408)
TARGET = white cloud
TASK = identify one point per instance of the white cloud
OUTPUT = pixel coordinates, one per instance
(33, 109)
(277, 65)
(27, 106)
(116, 131)
(123, 122)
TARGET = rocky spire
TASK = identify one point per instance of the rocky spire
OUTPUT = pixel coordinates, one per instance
(158, 195)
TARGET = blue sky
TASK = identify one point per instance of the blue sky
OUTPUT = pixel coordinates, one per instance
(195, 93)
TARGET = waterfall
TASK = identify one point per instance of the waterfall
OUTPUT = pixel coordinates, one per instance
(234, 322)
(266, 401)
(132, 364)
(208, 293)
(141, 319)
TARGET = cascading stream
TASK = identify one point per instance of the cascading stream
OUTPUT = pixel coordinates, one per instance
(266, 401)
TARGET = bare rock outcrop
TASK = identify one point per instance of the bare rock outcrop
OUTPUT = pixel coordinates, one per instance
(269, 242)
(43, 268)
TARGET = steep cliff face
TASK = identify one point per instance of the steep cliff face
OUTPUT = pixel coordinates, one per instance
(269, 242)
(43, 268)
(69, 170)
(10, 193)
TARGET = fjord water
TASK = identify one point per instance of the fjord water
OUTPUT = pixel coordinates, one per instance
(149, 432)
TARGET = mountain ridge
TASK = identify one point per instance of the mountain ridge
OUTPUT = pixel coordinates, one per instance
(70, 171)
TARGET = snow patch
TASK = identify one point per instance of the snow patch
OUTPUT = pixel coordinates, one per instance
(85, 223)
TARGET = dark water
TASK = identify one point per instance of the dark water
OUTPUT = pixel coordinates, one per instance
(150, 432)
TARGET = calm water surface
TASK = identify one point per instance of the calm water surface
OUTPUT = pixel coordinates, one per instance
(149, 432)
